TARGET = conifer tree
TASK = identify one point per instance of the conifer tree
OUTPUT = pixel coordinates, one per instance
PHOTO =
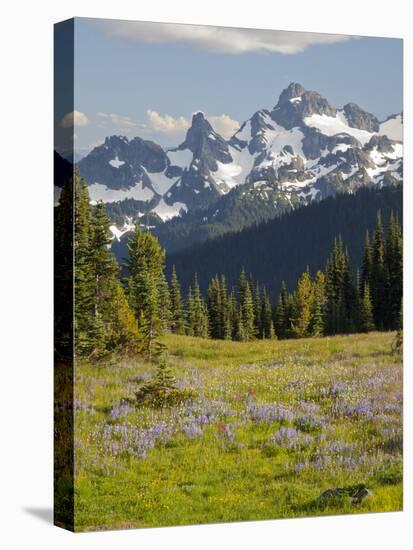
(338, 284)
(378, 282)
(146, 285)
(247, 307)
(124, 334)
(240, 328)
(223, 299)
(84, 310)
(165, 304)
(303, 301)
(258, 328)
(177, 314)
(366, 323)
(318, 306)
(104, 266)
(232, 317)
(103, 320)
(242, 286)
(366, 263)
(104, 271)
(190, 313)
(281, 314)
(214, 306)
(197, 312)
(266, 323)
(348, 296)
(358, 294)
(394, 268)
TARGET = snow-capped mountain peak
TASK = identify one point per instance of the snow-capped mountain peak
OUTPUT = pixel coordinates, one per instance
(295, 103)
(303, 149)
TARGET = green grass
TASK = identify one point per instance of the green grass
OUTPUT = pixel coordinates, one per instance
(341, 395)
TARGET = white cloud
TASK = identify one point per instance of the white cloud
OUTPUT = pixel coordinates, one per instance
(166, 124)
(224, 125)
(118, 122)
(75, 118)
(220, 39)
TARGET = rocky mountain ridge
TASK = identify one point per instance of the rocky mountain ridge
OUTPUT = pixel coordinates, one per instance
(301, 150)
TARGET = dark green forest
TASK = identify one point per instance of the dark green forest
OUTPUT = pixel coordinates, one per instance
(333, 301)
(281, 249)
(127, 311)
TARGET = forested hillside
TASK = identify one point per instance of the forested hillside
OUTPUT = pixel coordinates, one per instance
(282, 248)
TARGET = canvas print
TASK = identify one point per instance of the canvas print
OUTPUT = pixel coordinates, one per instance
(228, 274)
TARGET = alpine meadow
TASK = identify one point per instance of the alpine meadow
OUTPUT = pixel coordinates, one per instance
(228, 295)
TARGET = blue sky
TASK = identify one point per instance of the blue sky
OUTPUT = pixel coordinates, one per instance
(130, 76)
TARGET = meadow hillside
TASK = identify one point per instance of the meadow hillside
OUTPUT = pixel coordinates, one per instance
(270, 429)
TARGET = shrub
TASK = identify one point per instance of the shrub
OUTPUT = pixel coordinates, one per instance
(162, 391)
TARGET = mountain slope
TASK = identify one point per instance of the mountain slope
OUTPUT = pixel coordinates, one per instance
(301, 150)
(282, 248)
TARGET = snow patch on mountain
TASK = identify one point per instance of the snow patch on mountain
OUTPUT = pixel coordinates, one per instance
(279, 138)
(341, 148)
(166, 211)
(117, 233)
(99, 192)
(227, 173)
(392, 128)
(244, 134)
(181, 158)
(116, 163)
(244, 161)
(160, 182)
(332, 126)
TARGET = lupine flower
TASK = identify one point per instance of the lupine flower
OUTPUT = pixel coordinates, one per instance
(121, 410)
(289, 438)
(268, 412)
(192, 429)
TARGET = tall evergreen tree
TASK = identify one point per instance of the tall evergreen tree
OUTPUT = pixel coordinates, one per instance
(197, 312)
(177, 313)
(165, 305)
(103, 320)
(83, 270)
(242, 286)
(282, 314)
(189, 313)
(366, 263)
(358, 294)
(348, 296)
(124, 334)
(223, 300)
(366, 323)
(247, 307)
(394, 269)
(240, 334)
(336, 287)
(378, 282)
(303, 301)
(214, 306)
(258, 328)
(266, 323)
(146, 285)
(232, 317)
(318, 305)
(104, 271)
